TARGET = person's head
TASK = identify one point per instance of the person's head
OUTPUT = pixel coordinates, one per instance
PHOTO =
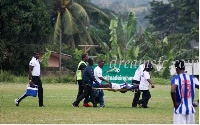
(148, 66)
(84, 57)
(101, 63)
(36, 55)
(90, 61)
(180, 66)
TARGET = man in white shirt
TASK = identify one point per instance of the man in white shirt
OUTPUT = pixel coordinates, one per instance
(34, 79)
(98, 76)
(144, 85)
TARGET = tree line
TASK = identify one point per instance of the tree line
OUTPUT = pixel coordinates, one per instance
(30, 25)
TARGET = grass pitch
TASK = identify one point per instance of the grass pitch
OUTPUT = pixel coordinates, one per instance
(59, 97)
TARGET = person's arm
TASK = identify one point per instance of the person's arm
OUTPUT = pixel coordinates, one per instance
(101, 78)
(196, 82)
(98, 73)
(151, 82)
(91, 75)
(147, 76)
(30, 74)
(109, 83)
(81, 67)
(195, 104)
(82, 72)
(173, 95)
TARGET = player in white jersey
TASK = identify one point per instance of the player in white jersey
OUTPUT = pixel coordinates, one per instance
(136, 81)
(144, 86)
(182, 94)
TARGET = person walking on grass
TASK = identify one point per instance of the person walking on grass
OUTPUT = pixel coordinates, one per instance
(144, 85)
(81, 66)
(99, 78)
(34, 79)
(88, 78)
(182, 95)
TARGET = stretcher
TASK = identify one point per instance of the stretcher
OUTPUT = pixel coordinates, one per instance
(114, 90)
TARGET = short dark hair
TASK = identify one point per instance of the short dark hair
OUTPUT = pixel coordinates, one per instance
(100, 61)
(83, 56)
(34, 53)
(90, 60)
(148, 64)
(180, 64)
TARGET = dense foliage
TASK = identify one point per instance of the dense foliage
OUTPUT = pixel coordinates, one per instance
(175, 17)
(25, 28)
(28, 26)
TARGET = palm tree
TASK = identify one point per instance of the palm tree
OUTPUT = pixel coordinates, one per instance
(73, 21)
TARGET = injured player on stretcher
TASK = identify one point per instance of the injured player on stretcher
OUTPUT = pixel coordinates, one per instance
(114, 86)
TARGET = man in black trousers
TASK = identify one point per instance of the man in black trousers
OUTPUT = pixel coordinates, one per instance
(88, 78)
(34, 79)
(144, 85)
(81, 66)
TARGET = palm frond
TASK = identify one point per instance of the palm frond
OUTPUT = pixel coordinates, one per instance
(102, 44)
(57, 28)
(79, 12)
(68, 23)
(84, 34)
(92, 9)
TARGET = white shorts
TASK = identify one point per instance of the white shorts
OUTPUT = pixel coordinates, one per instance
(184, 119)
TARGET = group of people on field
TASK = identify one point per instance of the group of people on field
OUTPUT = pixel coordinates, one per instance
(182, 87)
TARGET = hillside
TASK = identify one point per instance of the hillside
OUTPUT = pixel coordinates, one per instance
(139, 7)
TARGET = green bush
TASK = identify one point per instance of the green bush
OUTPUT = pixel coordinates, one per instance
(51, 79)
(160, 81)
(6, 76)
(68, 79)
(54, 79)
(21, 79)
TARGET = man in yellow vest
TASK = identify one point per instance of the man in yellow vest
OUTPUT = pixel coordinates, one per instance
(81, 66)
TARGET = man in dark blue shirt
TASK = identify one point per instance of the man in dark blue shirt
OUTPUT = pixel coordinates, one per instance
(88, 78)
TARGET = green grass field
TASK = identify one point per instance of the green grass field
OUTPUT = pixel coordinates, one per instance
(59, 97)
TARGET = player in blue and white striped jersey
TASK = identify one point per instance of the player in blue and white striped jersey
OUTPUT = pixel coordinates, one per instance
(182, 94)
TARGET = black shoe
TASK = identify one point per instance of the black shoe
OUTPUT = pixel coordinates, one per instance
(41, 106)
(133, 106)
(73, 105)
(16, 102)
(139, 103)
(145, 107)
(95, 106)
